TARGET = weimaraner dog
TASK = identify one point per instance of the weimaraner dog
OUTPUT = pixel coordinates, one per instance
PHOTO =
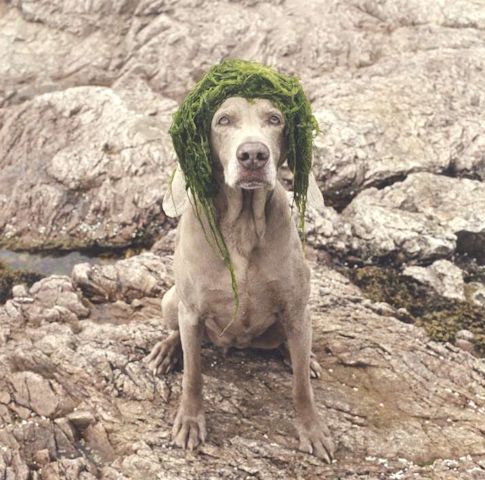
(273, 278)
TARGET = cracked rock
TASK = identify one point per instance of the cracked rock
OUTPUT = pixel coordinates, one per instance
(421, 217)
(442, 276)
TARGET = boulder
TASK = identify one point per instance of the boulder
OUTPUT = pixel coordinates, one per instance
(81, 169)
(426, 216)
(445, 278)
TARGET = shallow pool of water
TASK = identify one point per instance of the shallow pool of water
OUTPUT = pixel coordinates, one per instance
(49, 263)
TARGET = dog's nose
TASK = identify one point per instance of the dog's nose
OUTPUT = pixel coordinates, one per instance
(252, 155)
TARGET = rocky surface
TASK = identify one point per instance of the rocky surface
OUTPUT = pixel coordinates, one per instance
(78, 401)
(397, 88)
(93, 172)
(424, 217)
(86, 94)
(442, 276)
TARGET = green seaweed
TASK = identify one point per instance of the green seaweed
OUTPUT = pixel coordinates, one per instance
(190, 132)
(442, 318)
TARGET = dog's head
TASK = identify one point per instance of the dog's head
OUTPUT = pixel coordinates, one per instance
(247, 139)
(247, 119)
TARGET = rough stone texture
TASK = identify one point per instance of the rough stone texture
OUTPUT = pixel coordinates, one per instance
(425, 216)
(475, 292)
(397, 88)
(141, 276)
(442, 276)
(81, 403)
(86, 93)
(80, 168)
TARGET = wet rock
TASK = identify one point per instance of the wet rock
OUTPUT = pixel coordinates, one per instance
(93, 172)
(442, 276)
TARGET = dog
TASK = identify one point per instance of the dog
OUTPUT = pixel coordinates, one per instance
(248, 147)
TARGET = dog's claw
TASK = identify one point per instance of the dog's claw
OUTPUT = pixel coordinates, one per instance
(315, 439)
(315, 368)
(165, 355)
(189, 431)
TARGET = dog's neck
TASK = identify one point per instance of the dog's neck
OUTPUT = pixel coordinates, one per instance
(242, 216)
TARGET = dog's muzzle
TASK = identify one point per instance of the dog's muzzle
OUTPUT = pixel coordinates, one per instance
(252, 158)
(252, 155)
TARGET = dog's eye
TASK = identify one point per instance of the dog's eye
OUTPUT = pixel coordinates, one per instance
(224, 120)
(274, 120)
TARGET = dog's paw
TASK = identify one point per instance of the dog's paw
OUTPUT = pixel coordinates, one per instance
(315, 439)
(165, 355)
(189, 431)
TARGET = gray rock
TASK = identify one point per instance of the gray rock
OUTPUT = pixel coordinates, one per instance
(442, 276)
(425, 216)
(144, 275)
(475, 293)
(52, 299)
(465, 335)
(81, 169)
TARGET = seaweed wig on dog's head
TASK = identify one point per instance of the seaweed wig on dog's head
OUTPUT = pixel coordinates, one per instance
(191, 125)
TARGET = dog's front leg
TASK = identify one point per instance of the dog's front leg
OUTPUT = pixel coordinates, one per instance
(189, 428)
(313, 432)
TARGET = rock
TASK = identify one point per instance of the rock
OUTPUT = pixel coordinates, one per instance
(10, 278)
(93, 172)
(136, 277)
(41, 457)
(81, 419)
(394, 118)
(53, 298)
(382, 381)
(19, 291)
(464, 340)
(465, 335)
(97, 440)
(442, 276)
(475, 293)
(36, 393)
(426, 216)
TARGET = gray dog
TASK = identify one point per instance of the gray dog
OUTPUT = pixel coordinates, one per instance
(273, 279)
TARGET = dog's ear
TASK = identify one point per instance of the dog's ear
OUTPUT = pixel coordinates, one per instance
(176, 200)
(314, 194)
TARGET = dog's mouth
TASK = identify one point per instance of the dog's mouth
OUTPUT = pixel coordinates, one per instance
(251, 180)
(251, 185)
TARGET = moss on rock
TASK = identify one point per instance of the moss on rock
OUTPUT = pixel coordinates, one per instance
(10, 277)
(442, 318)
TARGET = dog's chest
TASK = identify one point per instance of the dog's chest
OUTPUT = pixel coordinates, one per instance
(260, 290)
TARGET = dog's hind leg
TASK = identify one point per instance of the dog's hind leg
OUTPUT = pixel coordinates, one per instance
(167, 353)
